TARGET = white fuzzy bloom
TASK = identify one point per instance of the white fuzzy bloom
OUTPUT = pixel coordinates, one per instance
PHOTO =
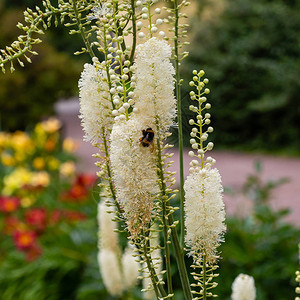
(108, 238)
(130, 268)
(243, 288)
(110, 271)
(134, 173)
(154, 92)
(204, 211)
(100, 11)
(95, 105)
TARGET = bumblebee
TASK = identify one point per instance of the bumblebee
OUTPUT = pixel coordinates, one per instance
(147, 138)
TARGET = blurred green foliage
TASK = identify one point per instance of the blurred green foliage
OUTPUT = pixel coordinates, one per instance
(261, 244)
(29, 93)
(250, 51)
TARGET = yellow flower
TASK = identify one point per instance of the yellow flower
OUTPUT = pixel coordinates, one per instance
(39, 163)
(67, 168)
(7, 159)
(40, 179)
(69, 145)
(15, 180)
(53, 163)
(20, 140)
(20, 156)
(27, 201)
(51, 125)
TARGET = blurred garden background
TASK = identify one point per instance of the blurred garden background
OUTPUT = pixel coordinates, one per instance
(250, 52)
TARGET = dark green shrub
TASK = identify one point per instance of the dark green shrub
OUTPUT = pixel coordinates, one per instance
(250, 52)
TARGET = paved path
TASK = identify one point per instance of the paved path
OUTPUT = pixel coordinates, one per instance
(234, 168)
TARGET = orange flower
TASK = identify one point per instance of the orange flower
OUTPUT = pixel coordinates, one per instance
(50, 145)
(9, 204)
(24, 239)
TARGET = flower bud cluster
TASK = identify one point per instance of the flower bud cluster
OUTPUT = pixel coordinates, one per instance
(147, 14)
(201, 124)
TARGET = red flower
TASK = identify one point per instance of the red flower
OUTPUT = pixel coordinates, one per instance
(37, 218)
(9, 204)
(80, 188)
(86, 180)
(24, 239)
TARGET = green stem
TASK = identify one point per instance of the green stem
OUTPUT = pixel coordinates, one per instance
(179, 254)
(158, 289)
(179, 118)
(107, 67)
(109, 172)
(165, 212)
(204, 276)
(82, 31)
(133, 31)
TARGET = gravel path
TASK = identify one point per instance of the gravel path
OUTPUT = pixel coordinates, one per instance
(234, 168)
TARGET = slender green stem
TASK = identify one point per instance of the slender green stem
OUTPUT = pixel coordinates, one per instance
(143, 247)
(179, 254)
(82, 31)
(165, 212)
(107, 67)
(133, 31)
(179, 119)
(204, 277)
(109, 171)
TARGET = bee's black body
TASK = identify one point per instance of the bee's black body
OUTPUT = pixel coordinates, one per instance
(148, 136)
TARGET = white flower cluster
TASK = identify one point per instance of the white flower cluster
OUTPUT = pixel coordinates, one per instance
(95, 105)
(134, 173)
(204, 212)
(134, 164)
(118, 273)
(154, 92)
(243, 288)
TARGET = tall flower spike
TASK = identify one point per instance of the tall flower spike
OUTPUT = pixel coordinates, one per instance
(154, 92)
(204, 211)
(108, 255)
(110, 271)
(130, 267)
(204, 207)
(134, 173)
(108, 238)
(243, 288)
(95, 105)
